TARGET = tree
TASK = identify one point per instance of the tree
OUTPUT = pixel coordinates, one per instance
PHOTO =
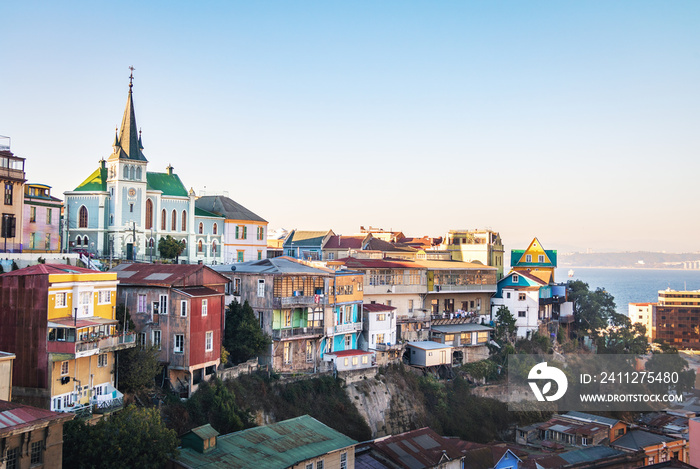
(170, 248)
(138, 366)
(243, 337)
(668, 360)
(132, 437)
(505, 326)
(120, 311)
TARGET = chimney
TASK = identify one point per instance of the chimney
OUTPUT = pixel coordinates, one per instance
(169, 169)
(103, 163)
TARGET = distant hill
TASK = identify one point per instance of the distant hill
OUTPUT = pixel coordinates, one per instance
(639, 260)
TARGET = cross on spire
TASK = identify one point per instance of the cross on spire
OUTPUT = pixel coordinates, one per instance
(131, 77)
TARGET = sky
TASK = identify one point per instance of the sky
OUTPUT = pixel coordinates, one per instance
(573, 122)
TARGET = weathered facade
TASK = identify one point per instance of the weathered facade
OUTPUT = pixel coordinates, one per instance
(180, 310)
(12, 178)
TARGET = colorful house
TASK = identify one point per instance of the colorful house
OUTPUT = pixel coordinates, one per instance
(245, 233)
(12, 178)
(60, 323)
(536, 260)
(306, 245)
(42, 217)
(298, 443)
(179, 309)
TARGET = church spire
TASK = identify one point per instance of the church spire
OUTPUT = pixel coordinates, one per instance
(129, 140)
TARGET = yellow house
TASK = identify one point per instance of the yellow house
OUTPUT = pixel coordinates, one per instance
(536, 260)
(65, 336)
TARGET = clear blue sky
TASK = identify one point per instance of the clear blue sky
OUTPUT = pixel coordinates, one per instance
(575, 122)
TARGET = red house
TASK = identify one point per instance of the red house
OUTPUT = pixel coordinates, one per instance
(180, 310)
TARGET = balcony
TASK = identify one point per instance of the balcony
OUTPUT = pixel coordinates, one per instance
(299, 301)
(387, 347)
(486, 287)
(350, 327)
(296, 332)
(93, 346)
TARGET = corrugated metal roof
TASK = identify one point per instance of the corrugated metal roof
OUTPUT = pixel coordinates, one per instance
(277, 446)
(591, 418)
(205, 431)
(14, 416)
(428, 345)
(226, 207)
(418, 449)
(275, 265)
(377, 307)
(96, 182)
(168, 184)
(593, 453)
(43, 269)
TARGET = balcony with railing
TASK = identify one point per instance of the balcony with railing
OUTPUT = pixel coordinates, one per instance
(296, 332)
(349, 327)
(468, 288)
(93, 345)
(309, 300)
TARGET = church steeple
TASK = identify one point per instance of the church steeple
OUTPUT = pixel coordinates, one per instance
(128, 142)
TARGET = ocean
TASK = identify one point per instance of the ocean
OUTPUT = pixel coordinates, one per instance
(632, 285)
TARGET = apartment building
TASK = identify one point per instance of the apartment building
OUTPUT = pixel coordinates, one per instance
(677, 318)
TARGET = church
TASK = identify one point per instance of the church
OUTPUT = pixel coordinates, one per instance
(121, 210)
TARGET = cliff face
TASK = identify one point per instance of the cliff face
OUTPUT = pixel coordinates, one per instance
(388, 403)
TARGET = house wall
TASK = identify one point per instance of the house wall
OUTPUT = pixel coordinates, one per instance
(40, 228)
(200, 325)
(84, 372)
(433, 357)
(330, 460)
(50, 434)
(6, 377)
(250, 245)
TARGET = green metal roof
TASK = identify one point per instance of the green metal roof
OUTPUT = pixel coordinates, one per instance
(97, 181)
(169, 184)
(205, 431)
(516, 254)
(277, 446)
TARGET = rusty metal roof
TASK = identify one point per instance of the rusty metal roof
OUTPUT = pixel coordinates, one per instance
(16, 417)
(277, 446)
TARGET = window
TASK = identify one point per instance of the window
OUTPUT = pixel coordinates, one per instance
(141, 339)
(184, 220)
(213, 248)
(47, 241)
(214, 229)
(183, 308)
(507, 294)
(310, 466)
(348, 341)
(201, 228)
(261, 288)
(162, 220)
(259, 254)
(149, 214)
(173, 221)
(32, 215)
(380, 338)
(37, 452)
(104, 297)
(522, 314)
(12, 459)
(200, 246)
(237, 286)
(32, 240)
(482, 337)
(141, 304)
(309, 351)
(319, 464)
(131, 208)
(381, 317)
(83, 217)
(287, 318)
(261, 231)
(102, 360)
(540, 258)
(528, 258)
(60, 300)
(521, 296)
(410, 306)
(239, 255)
(516, 278)
(287, 353)
(179, 343)
(204, 307)
(48, 216)
(163, 304)
(64, 368)
(156, 339)
(209, 341)
(84, 300)
(8, 193)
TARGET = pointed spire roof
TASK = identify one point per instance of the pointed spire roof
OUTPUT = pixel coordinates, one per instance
(128, 143)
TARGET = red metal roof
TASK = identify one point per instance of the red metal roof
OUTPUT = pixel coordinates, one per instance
(46, 269)
(377, 307)
(199, 291)
(418, 448)
(161, 274)
(15, 416)
(344, 242)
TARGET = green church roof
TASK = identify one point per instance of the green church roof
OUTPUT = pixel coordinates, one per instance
(97, 181)
(168, 184)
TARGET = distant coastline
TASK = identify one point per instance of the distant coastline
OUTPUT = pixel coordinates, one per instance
(631, 260)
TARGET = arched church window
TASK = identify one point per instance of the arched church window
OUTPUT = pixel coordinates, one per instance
(162, 220)
(83, 217)
(184, 220)
(138, 173)
(149, 214)
(173, 222)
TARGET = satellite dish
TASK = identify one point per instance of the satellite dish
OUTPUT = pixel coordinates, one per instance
(233, 268)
